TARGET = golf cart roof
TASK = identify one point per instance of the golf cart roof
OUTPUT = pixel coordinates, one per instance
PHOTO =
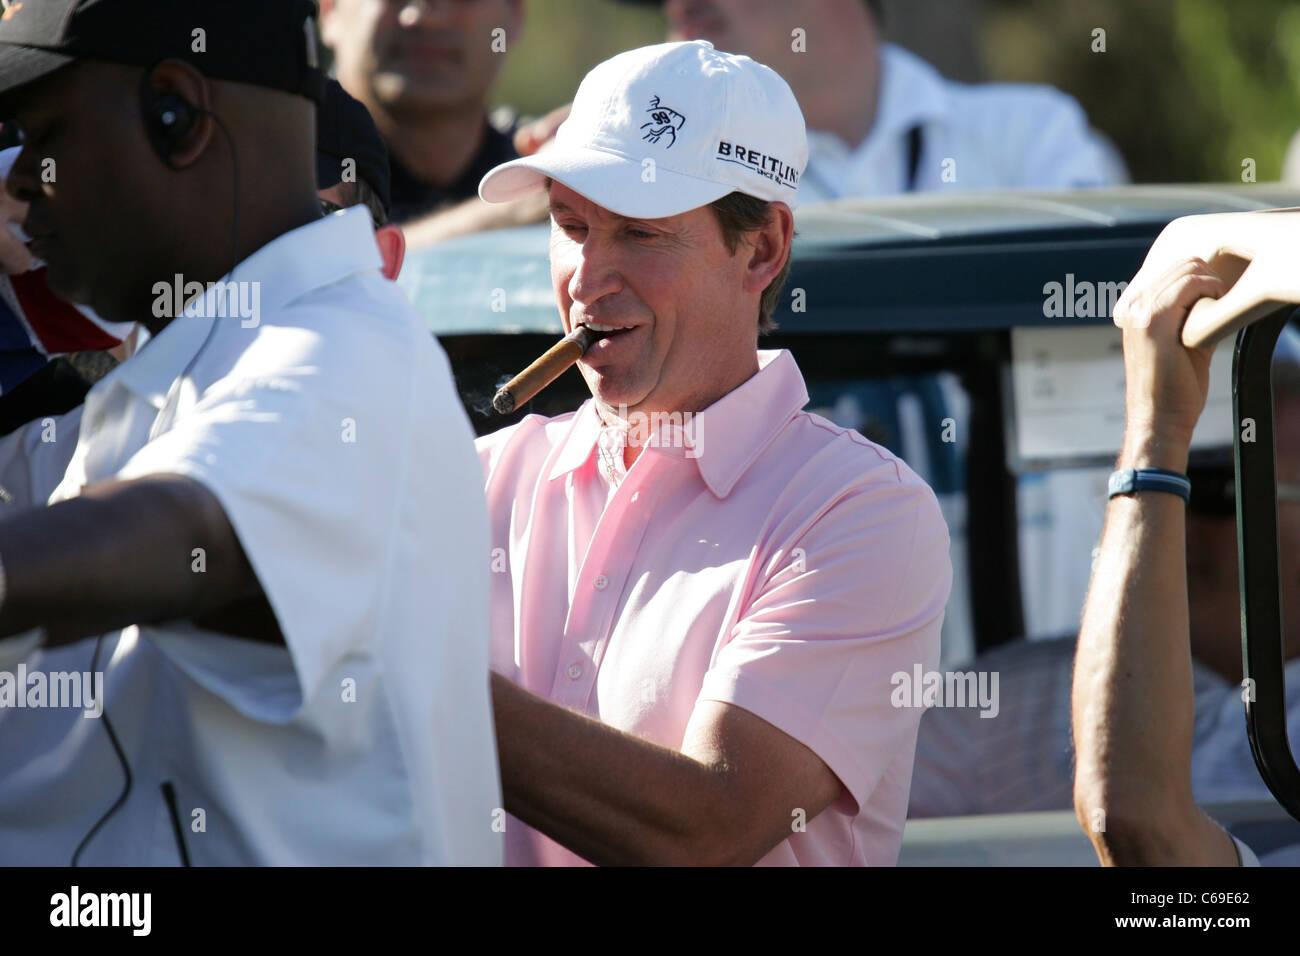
(927, 262)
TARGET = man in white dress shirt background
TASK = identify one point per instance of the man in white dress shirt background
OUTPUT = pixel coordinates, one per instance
(883, 121)
(241, 534)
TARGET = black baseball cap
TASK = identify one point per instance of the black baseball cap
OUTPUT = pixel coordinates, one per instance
(270, 43)
(346, 130)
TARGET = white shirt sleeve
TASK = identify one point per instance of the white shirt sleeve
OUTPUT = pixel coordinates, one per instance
(1245, 853)
(1026, 137)
(33, 459)
(1065, 152)
(314, 511)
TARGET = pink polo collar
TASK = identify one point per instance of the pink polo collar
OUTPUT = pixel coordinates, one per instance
(724, 439)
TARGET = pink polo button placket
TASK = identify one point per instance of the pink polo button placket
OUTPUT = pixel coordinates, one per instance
(601, 584)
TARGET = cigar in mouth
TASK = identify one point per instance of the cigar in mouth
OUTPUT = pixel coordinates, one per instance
(552, 364)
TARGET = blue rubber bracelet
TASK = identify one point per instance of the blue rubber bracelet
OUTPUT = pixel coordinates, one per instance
(1128, 480)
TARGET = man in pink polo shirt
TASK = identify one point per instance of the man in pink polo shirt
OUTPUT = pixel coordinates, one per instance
(702, 592)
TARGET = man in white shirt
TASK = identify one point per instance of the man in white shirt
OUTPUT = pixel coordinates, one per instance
(883, 121)
(241, 535)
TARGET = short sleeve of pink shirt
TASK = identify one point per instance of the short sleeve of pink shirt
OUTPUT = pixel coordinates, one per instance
(856, 597)
(756, 555)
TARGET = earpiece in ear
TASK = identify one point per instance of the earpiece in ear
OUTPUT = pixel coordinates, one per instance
(167, 119)
(175, 115)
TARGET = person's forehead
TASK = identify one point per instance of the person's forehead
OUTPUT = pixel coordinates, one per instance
(570, 200)
(45, 93)
(64, 89)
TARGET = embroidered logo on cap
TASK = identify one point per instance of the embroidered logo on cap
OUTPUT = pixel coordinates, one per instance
(663, 122)
(769, 167)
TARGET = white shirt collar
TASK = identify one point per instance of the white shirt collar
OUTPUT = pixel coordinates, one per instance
(291, 265)
(912, 92)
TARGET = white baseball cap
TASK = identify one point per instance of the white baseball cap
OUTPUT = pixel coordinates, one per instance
(664, 129)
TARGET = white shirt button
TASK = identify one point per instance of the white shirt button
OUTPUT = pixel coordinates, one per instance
(575, 671)
(601, 582)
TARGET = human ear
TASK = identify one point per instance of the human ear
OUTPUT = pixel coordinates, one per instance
(770, 247)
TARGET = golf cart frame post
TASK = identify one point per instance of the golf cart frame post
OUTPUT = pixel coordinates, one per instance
(1258, 560)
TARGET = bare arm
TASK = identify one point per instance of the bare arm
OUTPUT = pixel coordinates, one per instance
(726, 799)
(123, 553)
(1133, 701)
(474, 215)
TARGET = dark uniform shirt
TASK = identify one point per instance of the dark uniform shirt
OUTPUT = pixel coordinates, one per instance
(413, 197)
